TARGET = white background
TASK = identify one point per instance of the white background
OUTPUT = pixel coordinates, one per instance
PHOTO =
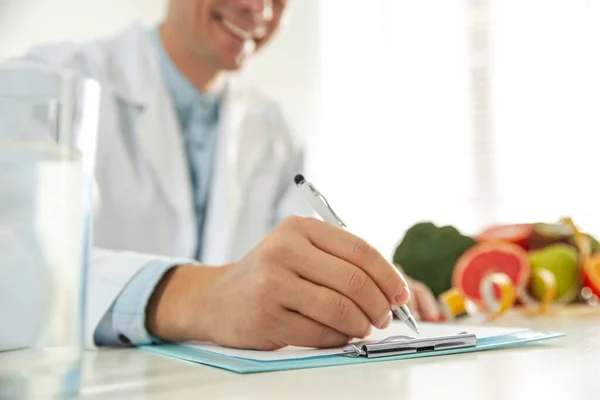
(380, 91)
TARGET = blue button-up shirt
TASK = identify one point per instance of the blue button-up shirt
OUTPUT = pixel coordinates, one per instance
(198, 116)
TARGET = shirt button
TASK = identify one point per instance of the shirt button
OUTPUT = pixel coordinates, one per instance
(199, 146)
(123, 339)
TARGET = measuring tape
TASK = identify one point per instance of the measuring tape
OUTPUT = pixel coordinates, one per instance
(454, 303)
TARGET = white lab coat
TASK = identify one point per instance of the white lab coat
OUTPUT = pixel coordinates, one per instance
(145, 204)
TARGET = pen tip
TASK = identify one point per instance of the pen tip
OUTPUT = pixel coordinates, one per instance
(413, 325)
(298, 179)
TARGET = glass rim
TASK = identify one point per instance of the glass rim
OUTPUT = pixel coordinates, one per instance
(57, 151)
(28, 98)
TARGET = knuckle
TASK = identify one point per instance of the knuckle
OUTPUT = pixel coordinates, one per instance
(361, 250)
(341, 308)
(265, 282)
(271, 251)
(262, 283)
(390, 278)
(293, 221)
(357, 282)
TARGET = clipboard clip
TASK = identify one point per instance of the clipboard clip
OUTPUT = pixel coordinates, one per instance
(399, 345)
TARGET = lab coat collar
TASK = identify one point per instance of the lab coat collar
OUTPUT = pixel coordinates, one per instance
(145, 65)
(133, 73)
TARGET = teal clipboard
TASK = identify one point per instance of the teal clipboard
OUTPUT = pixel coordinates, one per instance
(246, 366)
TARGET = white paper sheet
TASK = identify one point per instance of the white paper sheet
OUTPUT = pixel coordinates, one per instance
(395, 329)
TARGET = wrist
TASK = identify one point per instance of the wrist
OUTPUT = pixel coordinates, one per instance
(177, 308)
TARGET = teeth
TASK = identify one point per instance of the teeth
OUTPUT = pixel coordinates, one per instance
(236, 30)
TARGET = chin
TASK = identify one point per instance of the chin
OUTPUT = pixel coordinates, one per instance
(233, 63)
(230, 66)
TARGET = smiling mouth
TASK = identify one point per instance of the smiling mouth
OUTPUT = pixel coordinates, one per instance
(240, 33)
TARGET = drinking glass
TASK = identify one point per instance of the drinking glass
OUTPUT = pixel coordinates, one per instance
(48, 122)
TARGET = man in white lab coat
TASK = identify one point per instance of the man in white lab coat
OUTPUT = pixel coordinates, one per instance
(194, 171)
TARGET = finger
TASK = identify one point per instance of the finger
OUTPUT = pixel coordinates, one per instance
(326, 270)
(301, 331)
(413, 304)
(401, 270)
(428, 306)
(351, 248)
(327, 307)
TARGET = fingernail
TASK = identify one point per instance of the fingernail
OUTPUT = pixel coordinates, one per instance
(402, 298)
(387, 321)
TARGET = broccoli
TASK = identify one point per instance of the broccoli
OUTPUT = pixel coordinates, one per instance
(428, 254)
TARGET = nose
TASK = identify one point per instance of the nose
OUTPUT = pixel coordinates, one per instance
(261, 10)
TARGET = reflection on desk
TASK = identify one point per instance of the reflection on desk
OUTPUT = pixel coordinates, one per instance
(565, 368)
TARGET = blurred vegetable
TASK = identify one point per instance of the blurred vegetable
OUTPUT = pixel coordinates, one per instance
(428, 254)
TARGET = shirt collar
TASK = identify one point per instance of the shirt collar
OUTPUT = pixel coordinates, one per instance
(184, 93)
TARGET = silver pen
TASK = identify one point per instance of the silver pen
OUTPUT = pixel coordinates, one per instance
(322, 207)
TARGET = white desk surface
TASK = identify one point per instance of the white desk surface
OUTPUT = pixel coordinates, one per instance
(564, 368)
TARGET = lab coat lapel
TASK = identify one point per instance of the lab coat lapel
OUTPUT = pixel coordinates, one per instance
(223, 205)
(238, 155)
(163, 149)
(139, 82)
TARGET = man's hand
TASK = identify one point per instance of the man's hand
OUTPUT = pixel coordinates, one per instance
(306, 284)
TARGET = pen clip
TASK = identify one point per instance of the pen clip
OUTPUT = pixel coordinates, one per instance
(326, 203)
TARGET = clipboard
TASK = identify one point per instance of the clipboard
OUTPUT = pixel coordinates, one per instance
(390, 345)
(401, 345)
